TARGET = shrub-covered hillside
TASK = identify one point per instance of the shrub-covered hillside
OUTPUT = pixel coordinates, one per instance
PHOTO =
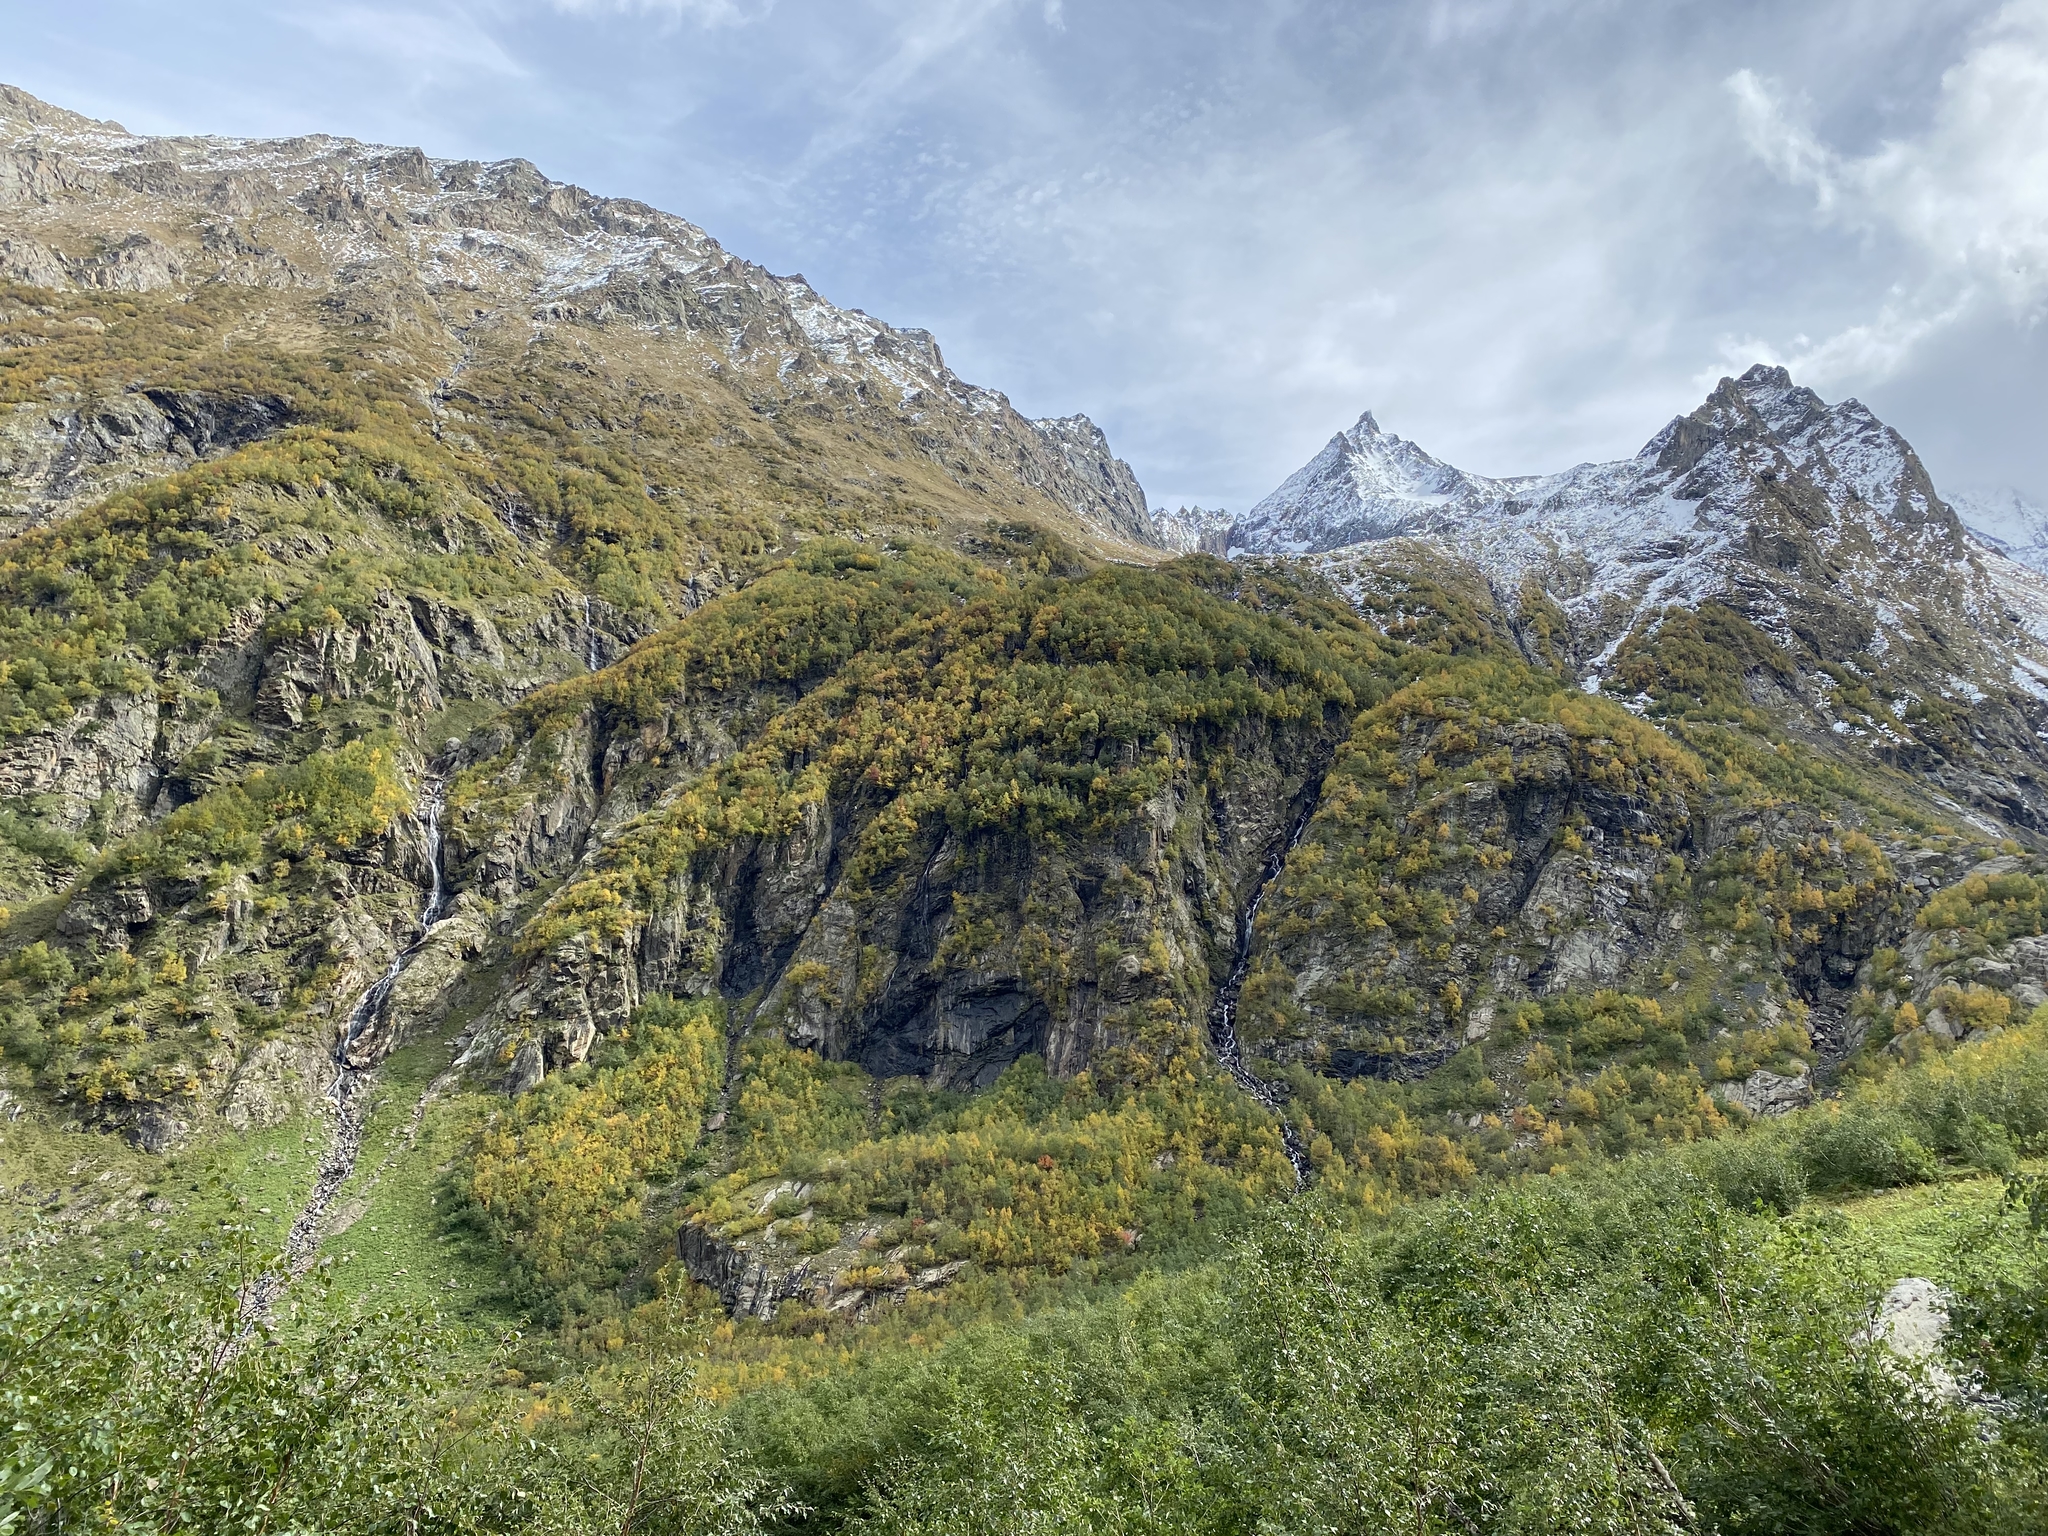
(623, 904)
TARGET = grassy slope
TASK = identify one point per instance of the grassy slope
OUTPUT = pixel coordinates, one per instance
(1925, 1228)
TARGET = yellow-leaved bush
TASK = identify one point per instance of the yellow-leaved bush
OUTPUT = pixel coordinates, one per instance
(1033, 1172)
(559, 1177)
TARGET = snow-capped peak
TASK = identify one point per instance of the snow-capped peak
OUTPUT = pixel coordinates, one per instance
(1765, 496)
(1366, 483)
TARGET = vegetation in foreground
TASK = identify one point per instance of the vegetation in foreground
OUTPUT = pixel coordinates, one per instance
(1677, 1342)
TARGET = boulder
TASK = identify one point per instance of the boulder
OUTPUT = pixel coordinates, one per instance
(1769, 1093)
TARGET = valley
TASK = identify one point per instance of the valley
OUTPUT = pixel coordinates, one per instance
(633, 870)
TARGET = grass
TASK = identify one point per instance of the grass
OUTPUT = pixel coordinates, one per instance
(73, 1197)
(394, 1250)
(1923, 1229)
(71, 1200)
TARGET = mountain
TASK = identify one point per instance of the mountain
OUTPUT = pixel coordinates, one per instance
(1191, 529)
(330, 467)
(465, 269)
(553, 780)
(1365, 484)
(716, 803)
(1816, 522)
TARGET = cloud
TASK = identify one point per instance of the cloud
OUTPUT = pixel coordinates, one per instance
(922, 46)
(1861, 354)
(1520, 230)
(707, 13)
(424, 46)
(1967, 196)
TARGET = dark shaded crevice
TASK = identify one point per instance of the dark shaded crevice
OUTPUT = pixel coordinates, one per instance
(751, 963)
(212, 423)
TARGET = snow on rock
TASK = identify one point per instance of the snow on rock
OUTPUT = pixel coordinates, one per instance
(2002, 519)
(1186, 530)
(1365, 484)
(1766, 497)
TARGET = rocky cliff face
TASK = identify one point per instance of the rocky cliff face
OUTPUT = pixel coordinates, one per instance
(1104, 493)
(59, 458)
(859, 922)
(1471, 868)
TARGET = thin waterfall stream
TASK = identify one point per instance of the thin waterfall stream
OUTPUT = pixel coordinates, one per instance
(1223, 1011)
(349, 1093)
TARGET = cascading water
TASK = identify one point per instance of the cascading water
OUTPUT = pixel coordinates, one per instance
(1223, 1011)
(371, 1005)
(352, 1079)
(590, 657)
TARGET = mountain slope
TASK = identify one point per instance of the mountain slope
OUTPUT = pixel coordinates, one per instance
(494, 682)
(318, 455)
(464, 270)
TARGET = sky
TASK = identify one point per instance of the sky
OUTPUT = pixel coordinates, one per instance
(1524, 233)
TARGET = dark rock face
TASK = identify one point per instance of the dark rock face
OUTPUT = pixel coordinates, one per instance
(747, 1283)
(1561, 896)
(57, 459)
(986, 949)
(207, 423)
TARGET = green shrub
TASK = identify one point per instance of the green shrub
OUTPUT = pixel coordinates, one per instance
(1620, 1354)
(1868, 1150)
(1752, 1172)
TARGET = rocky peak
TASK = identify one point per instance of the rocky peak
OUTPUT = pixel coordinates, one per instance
(18, 108)
(1816, 521)
(1110, 497)
(1366, 483)
(1382, 463)
(1763, 431)
(1763, 472)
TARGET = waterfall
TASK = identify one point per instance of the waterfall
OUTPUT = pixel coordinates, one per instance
(590, 656)
(372, 1003)
(1223, 1011)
